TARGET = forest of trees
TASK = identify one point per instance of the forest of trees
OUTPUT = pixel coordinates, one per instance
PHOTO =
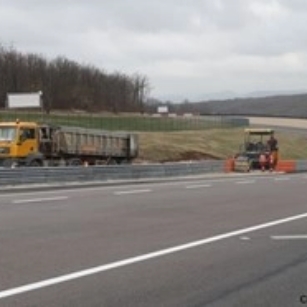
(67, 85)
(280, 106)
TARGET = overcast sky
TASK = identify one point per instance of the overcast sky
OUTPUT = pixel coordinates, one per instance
(187, 49)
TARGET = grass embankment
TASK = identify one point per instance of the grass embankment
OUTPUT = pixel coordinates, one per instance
(171, 139)
(208, 144)
(118, 122)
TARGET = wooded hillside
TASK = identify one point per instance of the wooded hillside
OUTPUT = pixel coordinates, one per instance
(68, 85)
(283, 106)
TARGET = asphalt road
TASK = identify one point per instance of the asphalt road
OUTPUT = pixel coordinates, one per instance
(213, 242)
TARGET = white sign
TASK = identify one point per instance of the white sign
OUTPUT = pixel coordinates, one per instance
(29, 100)
(163, 109)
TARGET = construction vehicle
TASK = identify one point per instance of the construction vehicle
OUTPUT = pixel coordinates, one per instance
(35, 144)
(256, 143)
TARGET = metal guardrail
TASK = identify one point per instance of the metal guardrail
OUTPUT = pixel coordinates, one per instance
(45, 175)
(301, 165)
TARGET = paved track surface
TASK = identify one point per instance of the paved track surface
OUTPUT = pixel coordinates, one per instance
(281, 122)
(213, 242)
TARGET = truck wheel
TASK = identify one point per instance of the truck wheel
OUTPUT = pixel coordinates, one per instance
(74, 162)
(35, 163)
(112, 162)
(9, 163)
(124, 161)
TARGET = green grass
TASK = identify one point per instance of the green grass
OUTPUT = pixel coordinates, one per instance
(120, 122)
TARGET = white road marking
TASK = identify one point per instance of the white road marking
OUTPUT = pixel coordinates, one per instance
(38, 200)
(140, 258)
(245, 238)
(132, 192)
(84, 188)
(290, 237)
(282, 179)
(196, 186)
(245, 182)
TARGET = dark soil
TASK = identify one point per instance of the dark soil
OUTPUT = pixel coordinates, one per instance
(192, 156)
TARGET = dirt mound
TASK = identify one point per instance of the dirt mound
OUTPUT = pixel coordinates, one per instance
(182, 157)
(192, 156)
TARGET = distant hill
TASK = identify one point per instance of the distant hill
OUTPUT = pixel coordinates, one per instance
(282, 105)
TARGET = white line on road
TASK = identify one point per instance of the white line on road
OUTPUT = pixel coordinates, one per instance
(132, 192)
(196, 186)
(282, 179)
(140, 258)
(245, 182)
(290, 237)
(38, 200)
(83, 188)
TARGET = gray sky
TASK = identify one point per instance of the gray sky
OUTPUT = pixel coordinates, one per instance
(187, 49)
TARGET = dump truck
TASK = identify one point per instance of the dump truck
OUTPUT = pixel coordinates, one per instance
(256, 142)
(38, 144)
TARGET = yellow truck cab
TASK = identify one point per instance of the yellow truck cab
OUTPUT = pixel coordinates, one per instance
(19, 142)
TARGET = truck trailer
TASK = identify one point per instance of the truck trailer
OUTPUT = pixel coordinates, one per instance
(38, 144)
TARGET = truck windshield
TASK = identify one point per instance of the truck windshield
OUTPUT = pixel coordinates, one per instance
(7, 133)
